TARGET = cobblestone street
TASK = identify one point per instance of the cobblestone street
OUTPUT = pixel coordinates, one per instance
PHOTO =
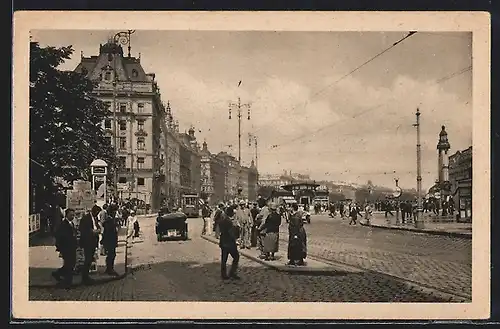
(432, 260)
(189, 271)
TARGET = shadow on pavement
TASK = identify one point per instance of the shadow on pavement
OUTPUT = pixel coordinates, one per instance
(99, 277)
(42, 239)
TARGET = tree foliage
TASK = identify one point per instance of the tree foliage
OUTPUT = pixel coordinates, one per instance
(66, 132)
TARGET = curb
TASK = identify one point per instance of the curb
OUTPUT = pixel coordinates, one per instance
(333, 270)
(96, 282)
(431, 232)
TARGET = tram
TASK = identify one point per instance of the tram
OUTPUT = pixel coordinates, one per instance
(191, 205)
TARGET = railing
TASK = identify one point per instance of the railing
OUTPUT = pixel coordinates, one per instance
(34, 223)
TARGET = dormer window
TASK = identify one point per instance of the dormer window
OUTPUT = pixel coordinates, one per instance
(107, 76)
(135, 74)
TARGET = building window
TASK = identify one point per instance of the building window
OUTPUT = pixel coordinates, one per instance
(140, 107)
(123, 107)
(123, 125)
(141, 145)
(140, 163)
(140, 181)
(121, 161)
(122, 180)
(107, 124)
(108, 105)
(108, 139)
(140, 124)
(135, 73)
(123, 143)
(107, 76)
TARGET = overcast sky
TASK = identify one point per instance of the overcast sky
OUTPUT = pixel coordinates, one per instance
(356, 129)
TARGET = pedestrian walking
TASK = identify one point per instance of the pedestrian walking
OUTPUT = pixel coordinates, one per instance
(205, 215)
(110, 242)
(217, 217)
(227, 244)
(261, 217)
(368, 213)
(244, 221)
(270, 230)
(132, 219)
(354, 214)
(66, 244)
(388, 209)
(89, 240)
(102, 218)
(255, 225)
(297, 238)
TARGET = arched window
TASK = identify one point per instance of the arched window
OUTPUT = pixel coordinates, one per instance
(135, 73)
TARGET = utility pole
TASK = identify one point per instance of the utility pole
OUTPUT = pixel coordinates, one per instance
(238, 106)
(419, 223)
(397, 203)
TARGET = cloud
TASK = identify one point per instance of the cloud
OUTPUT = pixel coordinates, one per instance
(353, 132)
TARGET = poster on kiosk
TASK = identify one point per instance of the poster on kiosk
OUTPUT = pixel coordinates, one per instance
(99, 171)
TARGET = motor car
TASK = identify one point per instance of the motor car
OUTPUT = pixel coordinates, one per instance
(172, 226)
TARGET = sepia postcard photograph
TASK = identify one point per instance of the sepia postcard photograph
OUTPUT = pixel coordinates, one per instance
(246, 165)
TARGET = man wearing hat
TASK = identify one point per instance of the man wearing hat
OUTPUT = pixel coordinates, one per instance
(217, 217)
(261, 218)
(244, 221)
(228, 246)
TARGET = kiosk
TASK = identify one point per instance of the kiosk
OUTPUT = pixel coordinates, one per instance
(99, 170)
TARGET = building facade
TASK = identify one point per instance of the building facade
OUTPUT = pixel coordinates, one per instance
(190, 163)
(213, 174)
(244, 172)
(133, 97)
(170, 146)
(270, 180)
(460, 174)
(232, 174)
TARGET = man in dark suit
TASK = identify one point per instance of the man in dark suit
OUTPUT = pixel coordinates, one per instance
(110, 242)
(227, 244)
(89, 240)
(66, 244)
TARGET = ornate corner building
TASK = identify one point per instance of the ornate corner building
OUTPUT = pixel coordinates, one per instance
(133, 127)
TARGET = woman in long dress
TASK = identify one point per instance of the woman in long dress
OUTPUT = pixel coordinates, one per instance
(271, 228)
(297, 238)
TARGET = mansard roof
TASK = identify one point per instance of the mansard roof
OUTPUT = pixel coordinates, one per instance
(111, 56)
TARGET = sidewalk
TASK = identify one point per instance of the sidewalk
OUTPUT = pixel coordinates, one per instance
(43, 260)
(463, 230)
(312, 267)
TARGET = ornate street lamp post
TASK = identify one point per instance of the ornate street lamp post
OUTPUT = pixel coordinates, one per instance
(122, 38)
(238, 106)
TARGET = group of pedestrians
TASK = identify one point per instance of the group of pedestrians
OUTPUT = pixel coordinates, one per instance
(246, 225)
(99, 226)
